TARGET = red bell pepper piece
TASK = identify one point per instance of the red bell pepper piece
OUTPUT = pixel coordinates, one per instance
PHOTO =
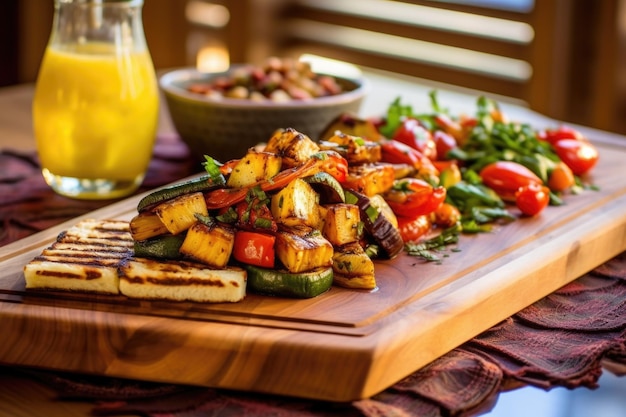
(254, 248)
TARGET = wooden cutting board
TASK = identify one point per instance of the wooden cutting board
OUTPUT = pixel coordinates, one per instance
(341, 346)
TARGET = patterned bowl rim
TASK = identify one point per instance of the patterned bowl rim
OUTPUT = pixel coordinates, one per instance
(173, 83)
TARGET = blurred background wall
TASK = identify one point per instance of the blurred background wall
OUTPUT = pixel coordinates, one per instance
(563, 58)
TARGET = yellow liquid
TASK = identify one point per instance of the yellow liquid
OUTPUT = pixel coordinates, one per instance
(95, 114)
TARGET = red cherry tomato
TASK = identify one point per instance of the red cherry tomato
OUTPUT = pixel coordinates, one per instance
(447, 215)
(506, 177)
(411, 132)
(448, 125)
(561, 178)
(444, 142)
(412, 197)
(254, 248)
(531, 199)
(412, 229)
(562, 132)
(395, 152)
(581, 156)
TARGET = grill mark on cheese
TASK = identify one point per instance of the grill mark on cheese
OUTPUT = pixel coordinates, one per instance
(172, 282)
(87, 273)
(174, 273)
(99, 240)
(122, 250)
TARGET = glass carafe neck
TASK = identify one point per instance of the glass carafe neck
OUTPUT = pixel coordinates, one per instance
(116, 23)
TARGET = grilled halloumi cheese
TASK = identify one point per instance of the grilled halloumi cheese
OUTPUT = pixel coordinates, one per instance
(181, 281)
(97, 256)
(85, 257)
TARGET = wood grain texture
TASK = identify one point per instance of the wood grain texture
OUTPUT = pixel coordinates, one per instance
(342, 345)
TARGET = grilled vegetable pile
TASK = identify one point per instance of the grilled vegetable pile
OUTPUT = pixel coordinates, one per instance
(300, 214)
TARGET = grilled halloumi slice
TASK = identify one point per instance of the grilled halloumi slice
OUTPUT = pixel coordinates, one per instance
(85, 257)
(181, 281)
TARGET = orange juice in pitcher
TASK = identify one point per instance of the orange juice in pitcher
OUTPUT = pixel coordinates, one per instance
(95, 109)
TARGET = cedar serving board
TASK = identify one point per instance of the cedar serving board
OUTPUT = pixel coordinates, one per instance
(341, 346)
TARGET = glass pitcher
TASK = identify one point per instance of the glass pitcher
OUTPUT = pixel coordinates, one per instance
(95, 110)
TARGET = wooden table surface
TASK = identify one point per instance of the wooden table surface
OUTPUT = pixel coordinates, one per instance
(22, 396)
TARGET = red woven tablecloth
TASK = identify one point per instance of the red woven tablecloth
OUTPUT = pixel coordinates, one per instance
(565, 339)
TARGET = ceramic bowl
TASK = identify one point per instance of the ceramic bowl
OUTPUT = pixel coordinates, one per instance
(225, 128)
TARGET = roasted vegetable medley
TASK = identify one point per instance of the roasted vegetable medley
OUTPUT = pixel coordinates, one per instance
(301, 214)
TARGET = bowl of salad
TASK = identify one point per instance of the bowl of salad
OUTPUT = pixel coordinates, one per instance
(223, 114)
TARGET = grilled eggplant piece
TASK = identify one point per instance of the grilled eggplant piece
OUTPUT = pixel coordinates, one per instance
(377, 225)
(327, 187)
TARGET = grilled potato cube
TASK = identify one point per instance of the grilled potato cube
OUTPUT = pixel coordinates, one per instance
(353, 268)
(211, 245)
(254, 167)
(355, 149)
(295, 205)
(146, 225)
(370, 179)
(322, 220)
(179, 214)
(342, 224)
(302, 250)
(294, 147)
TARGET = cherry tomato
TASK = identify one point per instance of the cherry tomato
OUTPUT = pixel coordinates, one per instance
(447, 215)
(450, 126)
(412, 229)
(444, 142)
(581, 156)
(562, 132)
(395, 152)
(459, 130)
(413, 197)
(561, 178)
(254, 248)
(411, 132)
(531, 199)
(506, 177)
